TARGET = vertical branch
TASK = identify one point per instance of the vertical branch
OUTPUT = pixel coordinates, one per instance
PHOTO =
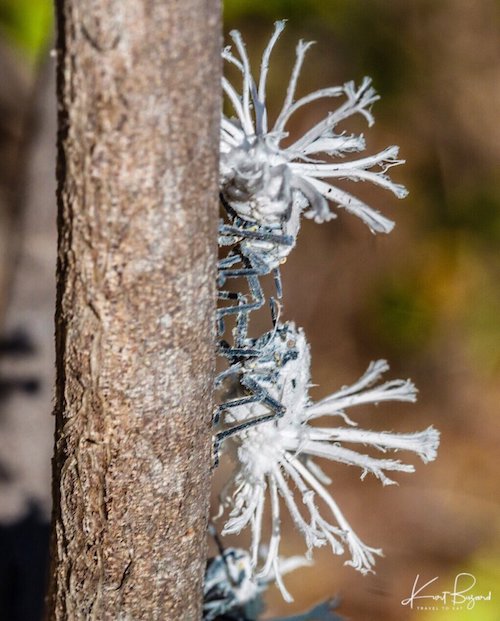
(138, 91)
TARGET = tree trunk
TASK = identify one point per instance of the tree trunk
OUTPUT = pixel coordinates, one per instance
(139, 107)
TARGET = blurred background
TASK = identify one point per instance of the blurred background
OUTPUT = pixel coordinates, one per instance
(27, 293)
(425, 297)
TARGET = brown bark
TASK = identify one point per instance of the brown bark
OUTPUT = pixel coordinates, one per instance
(139, 103)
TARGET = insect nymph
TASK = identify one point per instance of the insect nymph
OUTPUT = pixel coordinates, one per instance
(278, 459)
(232, 592)
(256, 251)
(266, 187)
(230, 587)
(257, 365)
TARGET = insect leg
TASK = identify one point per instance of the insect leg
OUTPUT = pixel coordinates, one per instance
(240, 332)
(254, 268)
(229, 261)
(234, 369)
(277, 282)
(228, 295)
(262, 234)
(232, 404)
(233, 353)
(246, 306)
(242, 272)
(260, 395)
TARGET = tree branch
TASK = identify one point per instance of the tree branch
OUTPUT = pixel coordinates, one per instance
(139, 106)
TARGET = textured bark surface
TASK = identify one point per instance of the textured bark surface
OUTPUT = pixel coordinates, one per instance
(139, 102)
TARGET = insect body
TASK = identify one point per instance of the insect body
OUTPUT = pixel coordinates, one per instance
(257, 250)
(266, 185)
(232, 593)
(257, 365)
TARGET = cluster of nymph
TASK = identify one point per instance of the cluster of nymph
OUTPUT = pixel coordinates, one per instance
(270, 427)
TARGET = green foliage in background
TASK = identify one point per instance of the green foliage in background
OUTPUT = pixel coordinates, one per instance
(481, 311)
(400, 315)
(27, 24)
(347, 24)
(486, 570)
